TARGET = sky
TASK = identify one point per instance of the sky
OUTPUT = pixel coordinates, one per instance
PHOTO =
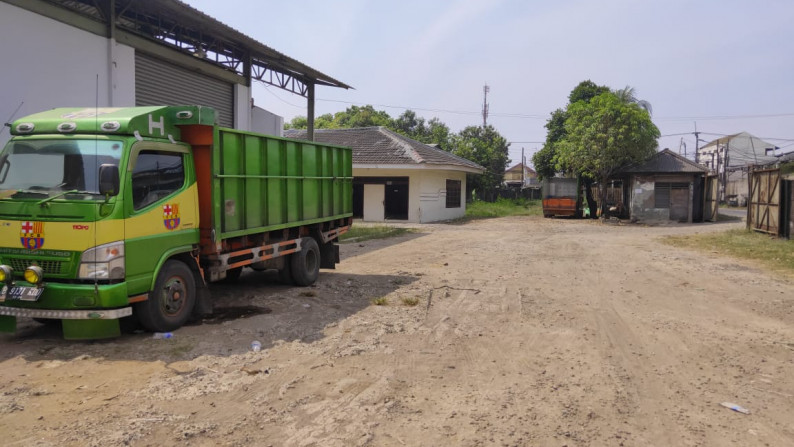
(719, 67)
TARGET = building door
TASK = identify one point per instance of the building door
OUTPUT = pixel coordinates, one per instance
(764, 204)
(374, 200)
(396, 200)
(679, 204)
(711, 206)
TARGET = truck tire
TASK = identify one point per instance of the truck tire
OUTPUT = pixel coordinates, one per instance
(305, 264)
(171, 302)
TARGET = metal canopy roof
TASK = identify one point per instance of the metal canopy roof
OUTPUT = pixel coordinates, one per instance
(182, 27)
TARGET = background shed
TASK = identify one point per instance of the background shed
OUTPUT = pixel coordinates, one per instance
(668, 187)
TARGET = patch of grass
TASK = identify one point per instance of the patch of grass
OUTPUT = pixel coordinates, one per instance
(382, 301)
(410, 301)
(502, 208)
(365, 233)
(776, 254)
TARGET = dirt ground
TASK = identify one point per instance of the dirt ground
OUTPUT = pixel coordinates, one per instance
(524, 332)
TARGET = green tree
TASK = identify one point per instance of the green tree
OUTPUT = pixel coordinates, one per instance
(545, 160)
(604, 135)
(410, 125)
(629, 95)
(486, 147)
(353, 116)
(585, 91)
(438, 133)
(365, 116)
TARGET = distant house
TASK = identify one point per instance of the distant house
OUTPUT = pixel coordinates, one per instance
(520, 176)
(397, 178)
(730, 157)
(666, 187)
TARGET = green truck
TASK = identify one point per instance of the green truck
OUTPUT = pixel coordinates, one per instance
(109, 213)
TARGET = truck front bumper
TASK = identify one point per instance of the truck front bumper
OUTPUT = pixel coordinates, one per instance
(86, 311)
(102, 314)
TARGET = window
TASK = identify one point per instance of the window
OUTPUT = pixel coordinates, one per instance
(661, 193)
(453, 193)
(156, 175)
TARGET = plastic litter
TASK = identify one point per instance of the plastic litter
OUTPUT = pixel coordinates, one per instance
(736, 408)
(162, 335)
(256, 346)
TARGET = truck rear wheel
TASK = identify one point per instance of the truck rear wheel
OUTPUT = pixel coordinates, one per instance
(171, 302)
(305, 264)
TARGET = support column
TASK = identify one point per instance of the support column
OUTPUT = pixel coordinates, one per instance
(111, 12)
(310, 112)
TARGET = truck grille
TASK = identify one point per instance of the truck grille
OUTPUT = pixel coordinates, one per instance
(49, 267)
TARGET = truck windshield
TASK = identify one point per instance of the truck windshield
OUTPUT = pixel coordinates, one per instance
(44, 168)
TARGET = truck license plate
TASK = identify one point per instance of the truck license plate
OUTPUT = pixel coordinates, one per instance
(21, 293)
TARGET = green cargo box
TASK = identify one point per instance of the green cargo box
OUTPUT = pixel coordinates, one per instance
(260, 183)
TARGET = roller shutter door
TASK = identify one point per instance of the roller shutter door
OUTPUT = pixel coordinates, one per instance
(158, 82)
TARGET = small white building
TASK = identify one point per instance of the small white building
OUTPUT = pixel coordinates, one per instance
(397, 178)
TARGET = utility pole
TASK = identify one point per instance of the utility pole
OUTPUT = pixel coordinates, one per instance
(697, 144)
(523, 168)
(485, 91)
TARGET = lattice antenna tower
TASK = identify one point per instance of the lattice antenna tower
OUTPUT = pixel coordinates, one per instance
(485, 90)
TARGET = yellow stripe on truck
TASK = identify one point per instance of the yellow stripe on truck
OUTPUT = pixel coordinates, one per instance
(156, 221)
(80, 236)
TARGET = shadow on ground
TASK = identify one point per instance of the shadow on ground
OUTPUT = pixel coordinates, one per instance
(255, 307)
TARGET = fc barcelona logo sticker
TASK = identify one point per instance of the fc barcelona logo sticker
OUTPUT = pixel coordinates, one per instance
(32, 235)
(171, 215)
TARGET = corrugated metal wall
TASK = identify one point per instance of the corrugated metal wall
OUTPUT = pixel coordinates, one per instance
(158, 82)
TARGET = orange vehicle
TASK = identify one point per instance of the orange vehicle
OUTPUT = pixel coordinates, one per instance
(561, 197)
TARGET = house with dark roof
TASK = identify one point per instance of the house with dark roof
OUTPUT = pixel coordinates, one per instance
(667, 187)
(397, 178)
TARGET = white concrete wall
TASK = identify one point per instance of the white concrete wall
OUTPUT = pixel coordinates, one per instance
(266, 122)
(46, 64)
(242, 107)
(427, 194)
(433, 196)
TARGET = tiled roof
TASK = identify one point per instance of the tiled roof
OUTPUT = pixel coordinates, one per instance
(381, 146)
(665, 162)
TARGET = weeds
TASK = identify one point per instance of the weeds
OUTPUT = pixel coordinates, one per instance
(777, 254)
(382, 301)
(365, 233)
(410, 301)
(502, 208)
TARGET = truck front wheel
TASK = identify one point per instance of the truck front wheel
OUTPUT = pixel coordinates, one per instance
(305, 264)
(171, 302)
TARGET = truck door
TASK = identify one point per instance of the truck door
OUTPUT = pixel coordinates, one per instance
(160, 205)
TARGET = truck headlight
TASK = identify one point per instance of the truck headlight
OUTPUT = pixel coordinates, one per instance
(34, 275)
(103, 262)
(6, 274)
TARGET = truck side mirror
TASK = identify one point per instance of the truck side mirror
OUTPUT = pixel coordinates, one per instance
(5, 167)
(108, 179)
